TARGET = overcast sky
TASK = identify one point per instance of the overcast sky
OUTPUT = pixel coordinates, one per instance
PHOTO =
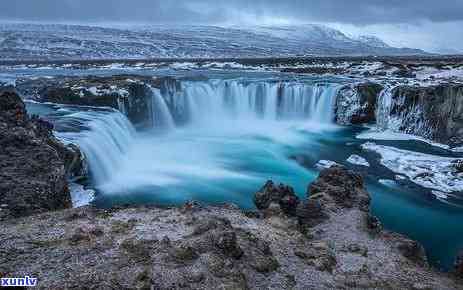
(427, 24)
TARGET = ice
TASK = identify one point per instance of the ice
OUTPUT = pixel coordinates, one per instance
(322, 164)
(379, 134)
(80, 196)
(358, 160)
(426, 170)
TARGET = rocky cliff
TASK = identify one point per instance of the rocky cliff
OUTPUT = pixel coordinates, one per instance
(434, 112)
(130, 94)
(356, 104)
(34, 165)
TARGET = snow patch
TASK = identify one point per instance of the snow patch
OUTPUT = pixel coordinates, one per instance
(426, 170)
(80, 196)
(358, 160)
(378, 134)
(323, 164)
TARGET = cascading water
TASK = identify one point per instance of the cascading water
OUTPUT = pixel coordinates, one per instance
(383, 111)
(207, 114)
(162, 119)
(106, 136)
(218, 100)
(392, 115)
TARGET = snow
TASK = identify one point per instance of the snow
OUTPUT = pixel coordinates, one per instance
(426, 170)
(439, 194)
(97, 91)
(378, 134)
(80, 196)
(445, 73)
(52, 42)
(322, 164)
(387, 182)
(358, 160)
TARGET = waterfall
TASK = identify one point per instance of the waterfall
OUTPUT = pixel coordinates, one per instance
(103, 136)
(107, 136)
(394, 114)
(202, 102)
(162, 119)
(383, 111)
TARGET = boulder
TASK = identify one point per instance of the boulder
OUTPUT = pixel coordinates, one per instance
(343, 186)
(32, 167)
(282, 195)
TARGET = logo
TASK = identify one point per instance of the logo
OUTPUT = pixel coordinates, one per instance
(18, 282)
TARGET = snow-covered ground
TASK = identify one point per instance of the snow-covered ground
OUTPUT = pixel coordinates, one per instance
(59, 41)
(434, 172)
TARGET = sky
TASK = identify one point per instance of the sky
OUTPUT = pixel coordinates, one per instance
(427, 24)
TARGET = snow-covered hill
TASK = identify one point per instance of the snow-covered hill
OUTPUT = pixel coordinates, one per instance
(58, 41)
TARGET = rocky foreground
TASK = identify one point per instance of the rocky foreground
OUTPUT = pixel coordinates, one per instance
(329, 241)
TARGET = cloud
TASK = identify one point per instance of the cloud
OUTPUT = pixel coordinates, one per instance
(356, 12)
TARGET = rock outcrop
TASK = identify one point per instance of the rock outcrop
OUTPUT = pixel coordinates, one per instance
(356, 104)
(131, 94)
(282, 196)
(434, 112)
(34, 165)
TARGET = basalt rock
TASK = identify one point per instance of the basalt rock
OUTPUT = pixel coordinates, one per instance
(130, 94)
(356, 104)
(282, 195)
(434, 112)
(345, 187)
(310, 213)
(33, 170)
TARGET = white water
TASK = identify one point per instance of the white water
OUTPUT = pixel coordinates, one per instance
(161, 116)
(390, 117)
(218, 100)
(233, 132)
(107, 137)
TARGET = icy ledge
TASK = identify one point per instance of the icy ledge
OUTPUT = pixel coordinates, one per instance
(358, 160)
(375, 133)
(434, 172)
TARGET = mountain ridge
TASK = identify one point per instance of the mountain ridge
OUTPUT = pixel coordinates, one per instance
(23, 41)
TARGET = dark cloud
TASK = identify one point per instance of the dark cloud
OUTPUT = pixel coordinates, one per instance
(358, 12)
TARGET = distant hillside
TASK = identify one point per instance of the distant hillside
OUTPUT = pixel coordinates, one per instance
(52, 42)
